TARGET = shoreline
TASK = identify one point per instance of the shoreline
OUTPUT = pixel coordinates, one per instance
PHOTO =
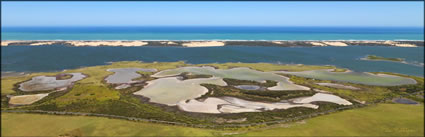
(214, 43)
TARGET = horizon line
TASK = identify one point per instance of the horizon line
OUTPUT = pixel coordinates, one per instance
(214, 26)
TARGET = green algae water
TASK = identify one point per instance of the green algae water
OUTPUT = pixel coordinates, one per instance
(58, 57)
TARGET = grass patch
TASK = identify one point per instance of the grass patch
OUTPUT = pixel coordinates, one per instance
(94, 96)
(85, 92)
(339, 70)
(366, 93)
(379, 120)
(374, 57)
(52, 125)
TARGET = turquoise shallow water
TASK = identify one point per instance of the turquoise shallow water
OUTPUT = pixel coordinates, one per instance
(212, 33)
(57, 58)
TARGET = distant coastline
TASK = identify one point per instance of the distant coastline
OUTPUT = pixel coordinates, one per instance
(213, 43)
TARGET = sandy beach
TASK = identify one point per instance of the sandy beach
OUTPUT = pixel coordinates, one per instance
(108, 43)
(204, 44)
(214, 43)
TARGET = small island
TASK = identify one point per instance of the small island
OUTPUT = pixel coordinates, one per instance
(378, 58)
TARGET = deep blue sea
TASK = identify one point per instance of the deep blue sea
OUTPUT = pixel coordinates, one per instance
(57, 58)
(212, 33)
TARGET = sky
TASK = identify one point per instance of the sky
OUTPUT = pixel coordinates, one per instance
(364, 14)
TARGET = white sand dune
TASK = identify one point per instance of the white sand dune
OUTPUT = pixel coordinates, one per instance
(317, 44)
(328, 43)
(6, 43)
(107, 43)
(335, 43)
(42, 43)
(405, 45)
(277, 42)
(203, 44)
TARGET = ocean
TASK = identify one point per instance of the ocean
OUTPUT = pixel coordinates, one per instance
(59, 57)
(212, 33)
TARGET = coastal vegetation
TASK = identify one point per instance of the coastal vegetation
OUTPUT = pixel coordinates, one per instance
(376, 120)
(378, 58)
(94, 95)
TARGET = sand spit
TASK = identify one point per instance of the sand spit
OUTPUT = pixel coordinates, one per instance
(388, 43)
(322, 97)
(335, 43)
(41, 83)
(212, 43)
(203, 44)
(26, 99)
(234, 105)
(317, 44)
(328, 43)
(405, 45)
(6, 43)
(42, 43)
(108, 43)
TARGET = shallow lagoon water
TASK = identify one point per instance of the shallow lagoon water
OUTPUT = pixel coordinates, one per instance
(236, 73)
(334, 85)
(248, 87)
(354, 77)
(57, 57)
(48, 83)
(125, 75)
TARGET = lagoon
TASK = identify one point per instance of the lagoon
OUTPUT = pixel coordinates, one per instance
(59, 57)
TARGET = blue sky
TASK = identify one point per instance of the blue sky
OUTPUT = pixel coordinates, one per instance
(212, 14)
